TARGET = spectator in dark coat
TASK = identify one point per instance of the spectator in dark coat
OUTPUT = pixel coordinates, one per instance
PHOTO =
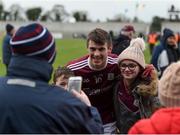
(121, 42)
(27, 103)
(6, 48)
(165, 53)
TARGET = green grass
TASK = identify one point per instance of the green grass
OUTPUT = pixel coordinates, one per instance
(67, 50)
(147, 54)
(2, 67)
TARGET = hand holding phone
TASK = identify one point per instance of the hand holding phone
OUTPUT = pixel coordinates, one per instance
(75, 83)
(82, 96)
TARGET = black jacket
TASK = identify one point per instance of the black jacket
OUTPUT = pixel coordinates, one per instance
(120, 44)
(29, 105)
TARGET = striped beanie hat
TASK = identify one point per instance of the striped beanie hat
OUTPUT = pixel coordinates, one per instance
(34, 40)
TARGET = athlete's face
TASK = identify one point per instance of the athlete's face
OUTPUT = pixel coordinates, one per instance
(98, 54)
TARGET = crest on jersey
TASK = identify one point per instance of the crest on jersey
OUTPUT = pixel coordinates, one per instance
(110, 76)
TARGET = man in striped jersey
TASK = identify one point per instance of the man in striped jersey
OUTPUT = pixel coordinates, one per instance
(99, 70)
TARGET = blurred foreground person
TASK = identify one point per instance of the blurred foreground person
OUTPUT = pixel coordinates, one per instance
(27, 103)
(165, 120)
(135, 94)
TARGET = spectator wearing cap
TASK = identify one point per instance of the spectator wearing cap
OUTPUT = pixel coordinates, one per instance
(135, 94)
(28, 103)
(122, 41)
(6, 48)
(166, 52)
(165, 120)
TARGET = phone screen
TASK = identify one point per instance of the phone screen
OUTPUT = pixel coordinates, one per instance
(75, 83)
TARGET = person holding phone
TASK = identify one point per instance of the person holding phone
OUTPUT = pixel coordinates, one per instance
(28, 103)
(99, 69)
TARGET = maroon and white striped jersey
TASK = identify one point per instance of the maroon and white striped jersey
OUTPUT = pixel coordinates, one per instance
(98, 85)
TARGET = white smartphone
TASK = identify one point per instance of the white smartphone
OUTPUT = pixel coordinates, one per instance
(75, 83)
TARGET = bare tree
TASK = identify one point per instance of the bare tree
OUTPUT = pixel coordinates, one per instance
(16, 12)
(58, 13)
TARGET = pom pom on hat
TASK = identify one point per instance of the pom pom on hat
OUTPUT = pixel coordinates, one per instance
(139, 43)
(134, 52)
(35, 41)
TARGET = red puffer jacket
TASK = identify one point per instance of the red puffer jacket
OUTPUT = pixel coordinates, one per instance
(163, 121)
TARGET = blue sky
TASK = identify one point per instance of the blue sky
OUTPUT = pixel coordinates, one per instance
(103, 9)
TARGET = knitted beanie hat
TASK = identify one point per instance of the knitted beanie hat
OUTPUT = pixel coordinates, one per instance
(134, 52)
(35, 41)
(169, 86)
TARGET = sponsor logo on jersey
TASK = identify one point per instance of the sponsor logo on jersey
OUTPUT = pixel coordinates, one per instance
(95, 92)
(86, 80)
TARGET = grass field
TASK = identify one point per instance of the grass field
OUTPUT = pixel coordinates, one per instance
(67, 49)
